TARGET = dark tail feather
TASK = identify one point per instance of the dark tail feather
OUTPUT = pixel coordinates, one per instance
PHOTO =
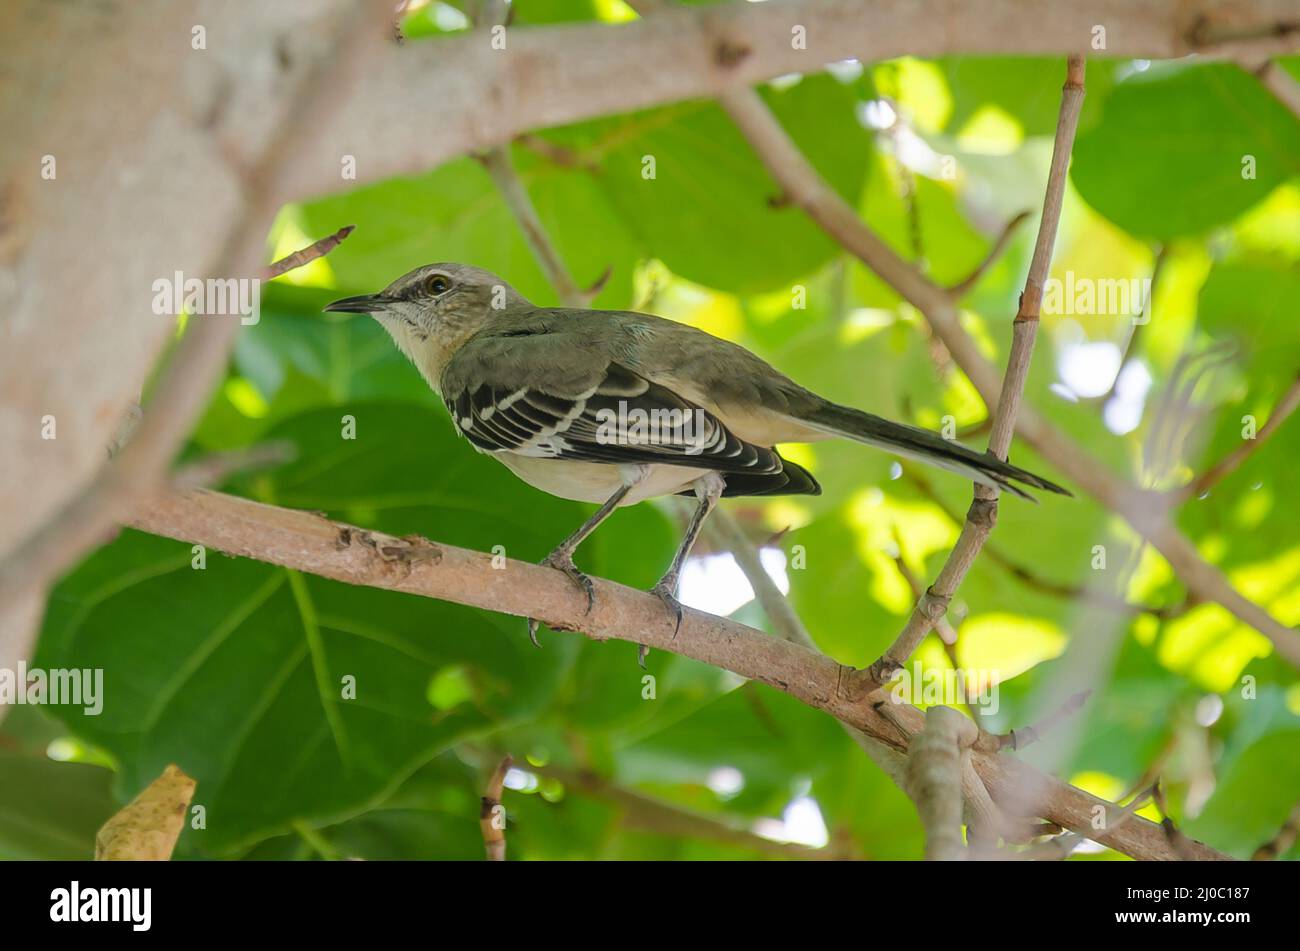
(927, 447)
(791, 480)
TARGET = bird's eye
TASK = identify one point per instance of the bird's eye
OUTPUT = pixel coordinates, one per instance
(437, 284)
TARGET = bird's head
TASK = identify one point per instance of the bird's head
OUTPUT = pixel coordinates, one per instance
(431, 311)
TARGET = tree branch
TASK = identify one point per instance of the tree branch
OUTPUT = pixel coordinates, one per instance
(308, 542)
(1032, 579)
(934, 770)
(188, 127)
(192, 372)
(659, 816)
(1233, 460)
(1140, 508)
(1280, 83)
(982, 515)
(1281, 843)
(492, 815)
(1130, 346)
(552, 75)
(964, 287)
(134, 473)
(501, 168)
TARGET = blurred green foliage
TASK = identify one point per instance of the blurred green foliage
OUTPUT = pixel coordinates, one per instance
(234, 671)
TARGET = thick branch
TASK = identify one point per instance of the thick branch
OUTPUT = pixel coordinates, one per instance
(192, 372)
(934, 773)
(317, 545)
(184, 131)
(139, 464)
(553, 75)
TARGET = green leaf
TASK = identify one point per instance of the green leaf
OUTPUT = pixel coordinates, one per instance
(236, 672)
(1266, 778)
(1254, 304)
(456, 214)
(1026, 88)
(51, 810)
(1173, 150)
(710, 211)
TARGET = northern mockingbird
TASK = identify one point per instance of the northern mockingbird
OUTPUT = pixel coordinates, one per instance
(614, 407)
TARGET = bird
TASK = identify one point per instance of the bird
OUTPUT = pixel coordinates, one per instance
(617, 407)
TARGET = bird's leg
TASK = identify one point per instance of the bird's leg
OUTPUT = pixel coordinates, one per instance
(708, 489)
(562, 557)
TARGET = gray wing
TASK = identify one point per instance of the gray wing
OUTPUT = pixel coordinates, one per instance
(552, 395)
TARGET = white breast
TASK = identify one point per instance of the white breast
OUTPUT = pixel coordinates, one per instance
(595, 481)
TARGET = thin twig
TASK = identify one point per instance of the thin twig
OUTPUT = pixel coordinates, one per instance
(801, 183)
(218, 467)
(1281, 843)
(502, 171)
(1130, 346)
(492, 814)
(947, 633)
(965, 286)
(1057, 589)
(727, 534)
(982, 515)
(1018, 739)
(1233, 460)
(501, 168)
(1062, 846)
(1281, 84)
(317, 249)
(652, 814)
(1177, 841)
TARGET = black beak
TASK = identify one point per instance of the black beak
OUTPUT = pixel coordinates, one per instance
(364, 304)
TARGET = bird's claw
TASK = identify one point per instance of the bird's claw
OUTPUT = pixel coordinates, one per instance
(563, 561)
(666, 591)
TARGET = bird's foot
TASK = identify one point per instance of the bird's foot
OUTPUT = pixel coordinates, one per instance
(562, 560)
(666, 591)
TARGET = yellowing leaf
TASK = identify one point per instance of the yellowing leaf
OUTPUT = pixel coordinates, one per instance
(1210, 646)
(147, 828)
(1006, 644)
